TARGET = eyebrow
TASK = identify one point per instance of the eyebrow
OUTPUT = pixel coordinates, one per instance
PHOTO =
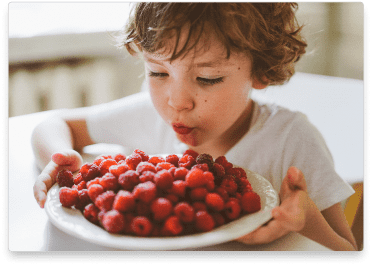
(208, 64)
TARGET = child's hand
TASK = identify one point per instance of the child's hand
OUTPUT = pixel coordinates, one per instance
(69, 159)
(289, 216)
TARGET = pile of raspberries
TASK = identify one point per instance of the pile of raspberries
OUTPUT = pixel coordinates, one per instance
(155, 196)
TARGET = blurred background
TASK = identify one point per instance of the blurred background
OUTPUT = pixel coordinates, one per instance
(63, 55)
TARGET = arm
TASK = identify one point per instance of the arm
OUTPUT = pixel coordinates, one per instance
(297, 212)
(55, 143)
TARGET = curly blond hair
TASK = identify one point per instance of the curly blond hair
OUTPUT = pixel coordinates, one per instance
(267, 32)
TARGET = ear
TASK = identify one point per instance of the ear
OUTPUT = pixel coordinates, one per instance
(258, 85)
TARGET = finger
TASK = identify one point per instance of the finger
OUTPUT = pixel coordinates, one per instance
(40, 193)
(296, 179)
(290, 217)
(72, 159)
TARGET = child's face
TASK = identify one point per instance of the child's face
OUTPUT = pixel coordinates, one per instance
(203, 96)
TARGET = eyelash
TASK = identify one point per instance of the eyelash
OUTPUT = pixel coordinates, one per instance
(204, 81)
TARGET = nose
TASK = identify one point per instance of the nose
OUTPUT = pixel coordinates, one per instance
(180, 97)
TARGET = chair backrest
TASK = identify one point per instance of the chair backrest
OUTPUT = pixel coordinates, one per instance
(336, 107)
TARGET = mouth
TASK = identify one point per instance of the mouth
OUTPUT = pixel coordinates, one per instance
(181, 129)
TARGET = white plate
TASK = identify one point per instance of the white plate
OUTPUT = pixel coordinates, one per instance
(72, 222)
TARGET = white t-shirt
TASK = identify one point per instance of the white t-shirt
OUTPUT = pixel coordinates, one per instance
(277, 139)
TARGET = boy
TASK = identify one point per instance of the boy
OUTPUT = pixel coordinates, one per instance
(202, 60)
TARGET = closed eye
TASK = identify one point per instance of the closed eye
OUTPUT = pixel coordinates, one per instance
(206, 81)
(157, 74)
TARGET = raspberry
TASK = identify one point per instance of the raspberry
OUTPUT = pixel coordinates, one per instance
(146, 176)
(80, 186)
(83, 200)
(119, 157)
(204, 222)
(173, 159)
(161, 208)
(222, 192)
(91, 213)
(68, 197)
(205, 159)
(124, 201)
(105, 165)
(210, 185)
(202, 166)
(218, 170)
(145, 166)
(93, 181)
(174, 199)
(145, 192)
(141, 226)
(163, 180)
(230, 186)
(193, 153)
(105, 200)
(142, 209)
(128, 180)
(233, 171)
(194, 178)
(93, 172)
(199, 206)
(232, 209)
(223, 161)
(113, 221)
(143, 155)
(109, 182)
(214, 201)
(186, 161)
(185, 212)
(250, 202)
(178, 188)
(95, 190)
(84, 169)
(128, 221)
(118, 169)
(156, 159)
(180, 173)
(163, 165)
(172, 226)
(133, 160)
(218, 218)
(78, 178)
(198, 193)
(65, 178)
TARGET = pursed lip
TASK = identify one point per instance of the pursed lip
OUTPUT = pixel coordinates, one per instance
(181, 128)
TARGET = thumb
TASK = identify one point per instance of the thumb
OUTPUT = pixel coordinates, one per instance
(70, 158)
(296, 179)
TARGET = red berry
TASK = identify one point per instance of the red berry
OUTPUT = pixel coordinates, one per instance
(128, 180)
(178, 188)
(113, 221)
(143, 155)
(80, 186)
(223, 161)
(205, 158)
(199, 206)
(156, 159)
(185, 212)
(202, 166)
(233, 171)
(124, 201)
(92, 173)
(172, 226)
(218, 170)
(180, 173)
(118, 169)
(186, 161)
(105, 165)
(218, 219)
(250, 202)
(214, 201)
(93, 181)
(161, 208)
(68, 197)
(78, 179)
(163, 165)
(65, 178)
(119, 157)
(105, 200)
(198, 193)
(141, 226)
(91, 213)
(230, 186)
(145, 192)
(232, 209)
(142, 209)
(109, 182)
(95, 190)
(192, 153)
(84, 199)
(204, 222)
(133, 160)
(174, 199)
(194, 178)
(163, 180)
(146, 176)
(222, 192)
(173, 159)
(145, 166)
